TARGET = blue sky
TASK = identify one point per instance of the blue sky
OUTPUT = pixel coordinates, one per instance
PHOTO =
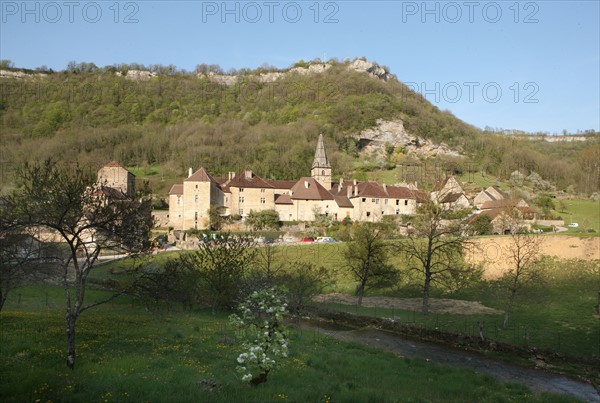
(528, 65)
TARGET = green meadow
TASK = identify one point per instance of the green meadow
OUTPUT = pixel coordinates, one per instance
(129, 353)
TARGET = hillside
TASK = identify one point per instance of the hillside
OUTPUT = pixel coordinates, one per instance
(163, 121)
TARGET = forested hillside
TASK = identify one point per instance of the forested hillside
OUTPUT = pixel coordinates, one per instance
(172, 120)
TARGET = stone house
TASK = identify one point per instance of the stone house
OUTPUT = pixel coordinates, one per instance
(449, 194)
(114, 176)
(492, 193)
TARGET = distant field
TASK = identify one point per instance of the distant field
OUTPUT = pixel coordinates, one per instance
(584, 212)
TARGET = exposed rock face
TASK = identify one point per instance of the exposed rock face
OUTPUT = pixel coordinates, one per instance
(312, 69)
(358, 65)
(374, 140)
(20, 74)
(138, 75)
(370, 68)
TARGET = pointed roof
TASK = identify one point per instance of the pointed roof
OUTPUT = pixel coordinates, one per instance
(176, 189)
(321, 160)
(201, 175)
(310, 189)
(248, 179)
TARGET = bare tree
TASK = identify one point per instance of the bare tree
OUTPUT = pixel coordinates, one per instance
(69, 205)
(435, 248)
(222, 265)
(367, 258)
(523, 251)
(23, 259)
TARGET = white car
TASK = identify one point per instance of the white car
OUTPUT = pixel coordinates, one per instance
(574, 225)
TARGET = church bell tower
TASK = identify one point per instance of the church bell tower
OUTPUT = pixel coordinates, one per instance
(321, 169)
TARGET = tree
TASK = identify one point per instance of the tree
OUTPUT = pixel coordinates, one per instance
(367, 258)
(523, 252)
(214, 218)
(266, 219)
(261, 323)
(222, 265)
(435, 248)
(67, 203)
(481, 225)
(303, 281)
(22, 259)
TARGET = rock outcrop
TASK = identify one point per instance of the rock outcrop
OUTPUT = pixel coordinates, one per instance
(138, 75)
(358, 65)
(20, 74)
(370, 68)
(373, 141)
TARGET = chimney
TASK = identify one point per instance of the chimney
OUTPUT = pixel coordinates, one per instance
(190, 172)
(385, 188)
(248, 173)
(354, 182)
(231, 175)
(349, 192)
(306, 184)
(355, 190)
(341, 183)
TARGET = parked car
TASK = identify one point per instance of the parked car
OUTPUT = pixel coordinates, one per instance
(574, 225)
(326, 239)
(307, 239)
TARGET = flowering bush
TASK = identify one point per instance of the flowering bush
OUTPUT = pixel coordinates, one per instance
(261, 324)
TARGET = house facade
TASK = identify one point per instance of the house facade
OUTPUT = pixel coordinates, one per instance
(294, 200)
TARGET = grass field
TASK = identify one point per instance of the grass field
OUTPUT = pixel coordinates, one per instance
(556, 312)
(584, 212)
(126, 353)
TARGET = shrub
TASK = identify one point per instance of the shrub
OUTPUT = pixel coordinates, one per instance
(261, 323)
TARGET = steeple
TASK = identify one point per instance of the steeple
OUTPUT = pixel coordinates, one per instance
(320, 160)
(321, 169)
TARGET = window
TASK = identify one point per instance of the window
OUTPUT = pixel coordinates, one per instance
(196, 216)
(241, 211)
(406, 202)
(386, 201)
(368, 214)
(262, 190)
(262, 200)
(376, 201)
(196, 198)
(397, 211)
(196, 186)
(323, 172)
(364, 199)
(241, 190)
(397, 202)
(241, 200)
(226, 199)
(179, 200)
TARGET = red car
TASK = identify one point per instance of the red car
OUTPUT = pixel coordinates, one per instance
(307, 239)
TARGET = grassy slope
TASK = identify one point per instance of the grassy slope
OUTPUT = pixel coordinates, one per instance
(126, 353)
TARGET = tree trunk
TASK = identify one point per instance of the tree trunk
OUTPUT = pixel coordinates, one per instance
(509, 308)
(259, 379)
(360, 291)
(425, 306)
(71, 340)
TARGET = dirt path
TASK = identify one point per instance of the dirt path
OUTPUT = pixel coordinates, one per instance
(436, 305)
(494, 254)
(536, 380)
